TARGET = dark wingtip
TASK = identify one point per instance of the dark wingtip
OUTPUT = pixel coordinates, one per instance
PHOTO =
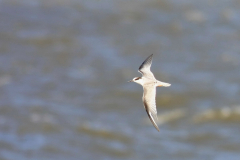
(147, 60)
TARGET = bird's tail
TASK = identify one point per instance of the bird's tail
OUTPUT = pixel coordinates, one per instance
(163, 84)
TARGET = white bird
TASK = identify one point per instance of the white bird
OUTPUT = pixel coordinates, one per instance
(149, 83)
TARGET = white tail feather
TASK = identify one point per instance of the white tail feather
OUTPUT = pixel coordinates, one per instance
(163, 84)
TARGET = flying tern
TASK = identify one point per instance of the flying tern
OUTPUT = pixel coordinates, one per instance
(149, 84)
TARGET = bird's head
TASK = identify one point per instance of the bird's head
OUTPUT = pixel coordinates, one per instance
(138, 80)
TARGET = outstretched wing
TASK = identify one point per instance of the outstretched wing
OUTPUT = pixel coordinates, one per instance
(144, 69)
(149, 101)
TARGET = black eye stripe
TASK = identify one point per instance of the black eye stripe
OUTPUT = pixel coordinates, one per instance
(138, 78)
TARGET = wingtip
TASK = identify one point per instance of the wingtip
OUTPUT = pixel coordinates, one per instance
(153, 122)
(146, 63)
(156, 127)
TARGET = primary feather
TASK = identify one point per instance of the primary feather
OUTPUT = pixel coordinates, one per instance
(144, 69)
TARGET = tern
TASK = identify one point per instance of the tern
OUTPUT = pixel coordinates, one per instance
(149, 84)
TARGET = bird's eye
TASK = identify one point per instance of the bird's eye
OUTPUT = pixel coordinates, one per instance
(137, 78)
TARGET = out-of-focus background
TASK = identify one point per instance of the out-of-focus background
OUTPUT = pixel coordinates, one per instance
(64, 67)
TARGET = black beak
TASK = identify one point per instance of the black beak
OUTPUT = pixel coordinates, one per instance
(130, 81)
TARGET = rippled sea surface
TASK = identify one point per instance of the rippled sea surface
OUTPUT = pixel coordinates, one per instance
(64, 67)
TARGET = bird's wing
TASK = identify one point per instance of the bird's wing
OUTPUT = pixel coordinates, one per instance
(144, 69)
(149, 101)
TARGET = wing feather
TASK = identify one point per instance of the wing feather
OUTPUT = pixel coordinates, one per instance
(144, 69)
(149, 101)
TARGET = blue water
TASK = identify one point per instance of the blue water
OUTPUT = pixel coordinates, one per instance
(64, 67)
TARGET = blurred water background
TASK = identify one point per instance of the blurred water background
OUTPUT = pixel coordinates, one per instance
(64, 67)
